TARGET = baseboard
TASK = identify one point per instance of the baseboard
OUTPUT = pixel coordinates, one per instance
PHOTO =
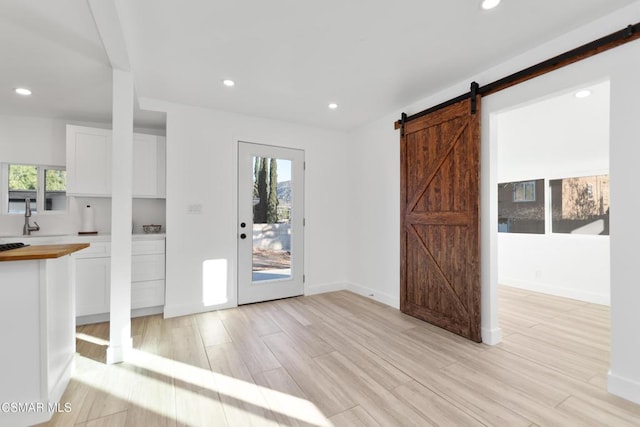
(324, 288)
(147, 311)
(104, 317)
(491, 336)
(590, 297)
(178, 310)
(92, 318)
(623, 387)
(384, 298)
(118, 353)
(186, 309)
(393, 301)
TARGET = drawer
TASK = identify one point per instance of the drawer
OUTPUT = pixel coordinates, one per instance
(95, 250)
(147, 294)
(144, 247)
(147, 267)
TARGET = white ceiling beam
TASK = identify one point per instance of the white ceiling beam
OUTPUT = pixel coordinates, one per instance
(105, 14)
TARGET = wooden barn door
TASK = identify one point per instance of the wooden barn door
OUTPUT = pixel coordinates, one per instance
(440, 244)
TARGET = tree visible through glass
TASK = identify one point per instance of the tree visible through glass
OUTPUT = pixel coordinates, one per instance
(272, 213)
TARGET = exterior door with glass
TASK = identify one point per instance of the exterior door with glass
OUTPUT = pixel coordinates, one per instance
(270, 222)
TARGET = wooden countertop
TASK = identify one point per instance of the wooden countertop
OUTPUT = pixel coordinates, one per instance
(27, 253)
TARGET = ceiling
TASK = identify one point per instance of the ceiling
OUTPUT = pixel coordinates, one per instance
(289, 58)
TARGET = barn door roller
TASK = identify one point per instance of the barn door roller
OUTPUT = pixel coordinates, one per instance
(474, 96)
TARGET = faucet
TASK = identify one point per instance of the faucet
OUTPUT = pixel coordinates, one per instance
(28, 228)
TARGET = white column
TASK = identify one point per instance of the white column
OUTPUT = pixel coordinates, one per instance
(121, 212)
(491, 331)
(624, 374)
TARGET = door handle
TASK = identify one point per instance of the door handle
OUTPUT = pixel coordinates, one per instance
(243, 236)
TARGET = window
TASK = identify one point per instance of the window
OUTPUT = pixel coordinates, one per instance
(524, 191)
(580, 205)
(23, 184)
(514, 216)
(55, 189)
(44, 186)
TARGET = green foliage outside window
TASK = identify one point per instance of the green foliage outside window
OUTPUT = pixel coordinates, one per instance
(25, 181)
(265, 191)
(23, 177)
(272, 202)
(55, 180)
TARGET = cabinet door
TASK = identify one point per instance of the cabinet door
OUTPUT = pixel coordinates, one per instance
(162, 167)
(88, 161)
(93, 283)
(145, 165)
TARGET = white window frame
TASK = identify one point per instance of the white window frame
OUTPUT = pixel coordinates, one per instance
(40, 190)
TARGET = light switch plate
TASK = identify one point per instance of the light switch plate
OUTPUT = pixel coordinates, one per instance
(194, 209)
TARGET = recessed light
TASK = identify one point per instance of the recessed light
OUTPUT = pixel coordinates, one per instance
(228, 82)
(333, 106)
(22, 91)
(583, 93)
(490, 4)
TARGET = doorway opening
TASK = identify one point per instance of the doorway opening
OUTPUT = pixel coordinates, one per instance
(553, 195)
(550, 222)
(572, 156)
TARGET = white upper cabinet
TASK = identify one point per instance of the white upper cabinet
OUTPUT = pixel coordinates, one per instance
(148, 166)
(89, 163)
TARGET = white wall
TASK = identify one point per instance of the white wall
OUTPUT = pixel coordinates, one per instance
(566, 265)
(558, 137)
(379, 144)
(36, 140)
(624, 375)
(32, 140)
(555, 136)
(202, 150)
(374, 216)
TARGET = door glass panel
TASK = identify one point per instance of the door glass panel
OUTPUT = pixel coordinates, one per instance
(272, 196)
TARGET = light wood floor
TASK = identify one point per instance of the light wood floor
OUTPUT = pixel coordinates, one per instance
(341, 359)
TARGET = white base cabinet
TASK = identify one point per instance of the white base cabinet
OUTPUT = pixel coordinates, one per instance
(38, 339)
(147, 274)
(93, 279)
